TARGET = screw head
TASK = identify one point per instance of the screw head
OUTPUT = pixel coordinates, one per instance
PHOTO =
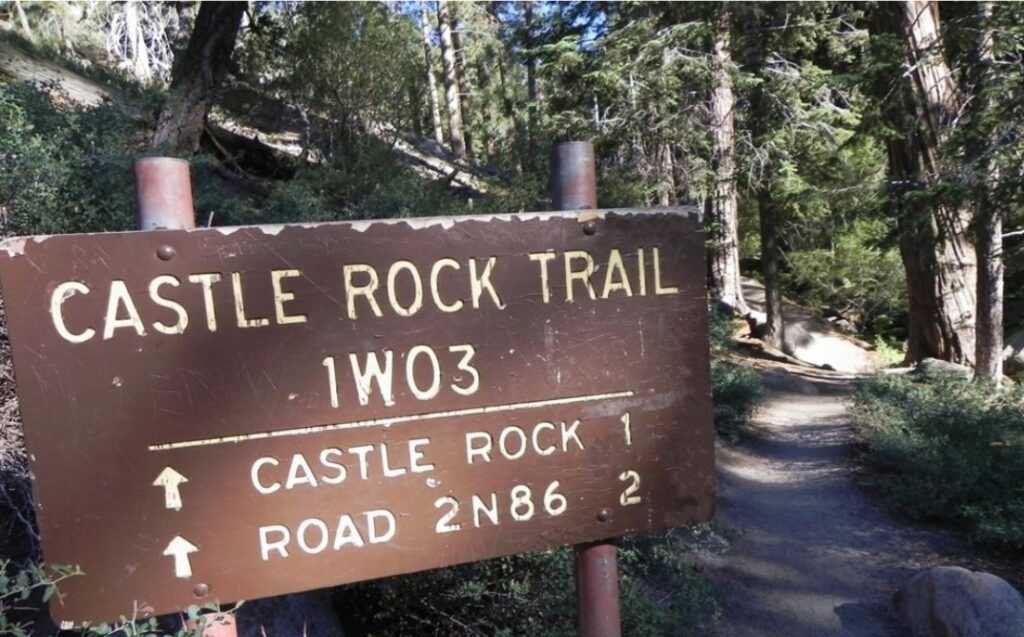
(165, 253)
(590, 228)
(604, 515)
(201, 589)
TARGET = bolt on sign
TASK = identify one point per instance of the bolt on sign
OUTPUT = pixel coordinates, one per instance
(234, 413)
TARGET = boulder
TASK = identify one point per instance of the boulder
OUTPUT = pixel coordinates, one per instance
(1013, 355)
(824, 349)
(934, 368)
(949, 601)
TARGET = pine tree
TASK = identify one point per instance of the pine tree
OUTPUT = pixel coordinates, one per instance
(722, 204)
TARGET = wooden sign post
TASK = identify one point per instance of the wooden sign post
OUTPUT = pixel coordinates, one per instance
(233, 413)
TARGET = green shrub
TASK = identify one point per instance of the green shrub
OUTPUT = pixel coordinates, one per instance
(720, 330)
(863, 281)
(534, 593)
(948, 450)
(736, 389)
(63, 170)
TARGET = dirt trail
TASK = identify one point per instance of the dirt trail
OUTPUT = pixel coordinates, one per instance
(816, 555)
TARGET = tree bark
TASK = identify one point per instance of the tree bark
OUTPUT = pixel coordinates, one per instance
(435, 111)
(762, 121)
(938, 256)
(451, 82)
(462, 78)
(487, 110)
(137, 42)
(723, 209)
(666, 174)
(989, 229)
(770, 270)
(198, 73)
(19, 11)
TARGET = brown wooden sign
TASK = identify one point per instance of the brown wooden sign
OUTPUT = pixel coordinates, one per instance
(235, 413)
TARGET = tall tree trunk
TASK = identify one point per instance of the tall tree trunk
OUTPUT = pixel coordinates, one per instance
(770, 268)
(19, 11)
(723, 209)
(761, 125)
(666, 174)
(937, 254)
(137, 42)
(989, 228)
(487, 111)
(195, 77)
(435, 111)
(461, 76)
(451, 82)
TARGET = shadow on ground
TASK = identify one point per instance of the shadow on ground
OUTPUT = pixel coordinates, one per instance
(815, 554)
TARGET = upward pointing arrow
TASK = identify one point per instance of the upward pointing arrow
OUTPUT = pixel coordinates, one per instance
(180, 548)
(169, 479)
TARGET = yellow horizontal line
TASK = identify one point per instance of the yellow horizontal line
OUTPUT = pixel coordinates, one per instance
(387, 422)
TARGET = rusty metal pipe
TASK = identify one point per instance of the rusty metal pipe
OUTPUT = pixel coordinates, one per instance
(573, 176)
(574, 187)
(163, 199)
(597, 590)
(163, 194)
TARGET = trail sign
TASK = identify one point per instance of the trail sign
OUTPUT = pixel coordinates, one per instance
(234, 413)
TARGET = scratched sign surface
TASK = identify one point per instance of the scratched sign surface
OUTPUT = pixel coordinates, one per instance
(227, 414)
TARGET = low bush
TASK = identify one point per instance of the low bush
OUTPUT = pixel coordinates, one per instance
(736, 390)
(856, 277)
(948, 450)
(533, 593)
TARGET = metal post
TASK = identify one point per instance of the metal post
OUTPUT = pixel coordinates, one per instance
(163, 198)
(163, 194)
(574, 187)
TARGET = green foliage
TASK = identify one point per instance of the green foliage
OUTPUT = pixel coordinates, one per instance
(736, 390)
(357, 60)
(720, 330)
(948, 450)
(857, 278)
(532, 594)
(202, 617)
(891, 354)
(70, 170)
(63, 170)
(24, 589)
(18, 585)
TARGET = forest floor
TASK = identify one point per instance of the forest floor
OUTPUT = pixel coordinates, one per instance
(815, 553)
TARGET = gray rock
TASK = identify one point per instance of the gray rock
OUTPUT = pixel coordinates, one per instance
(949, 601)
(935, 368)
(843, 325)
(1013, 355)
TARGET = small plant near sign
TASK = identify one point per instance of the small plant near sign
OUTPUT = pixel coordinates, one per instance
(17, 586)
(196, 619)
(22, 590)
